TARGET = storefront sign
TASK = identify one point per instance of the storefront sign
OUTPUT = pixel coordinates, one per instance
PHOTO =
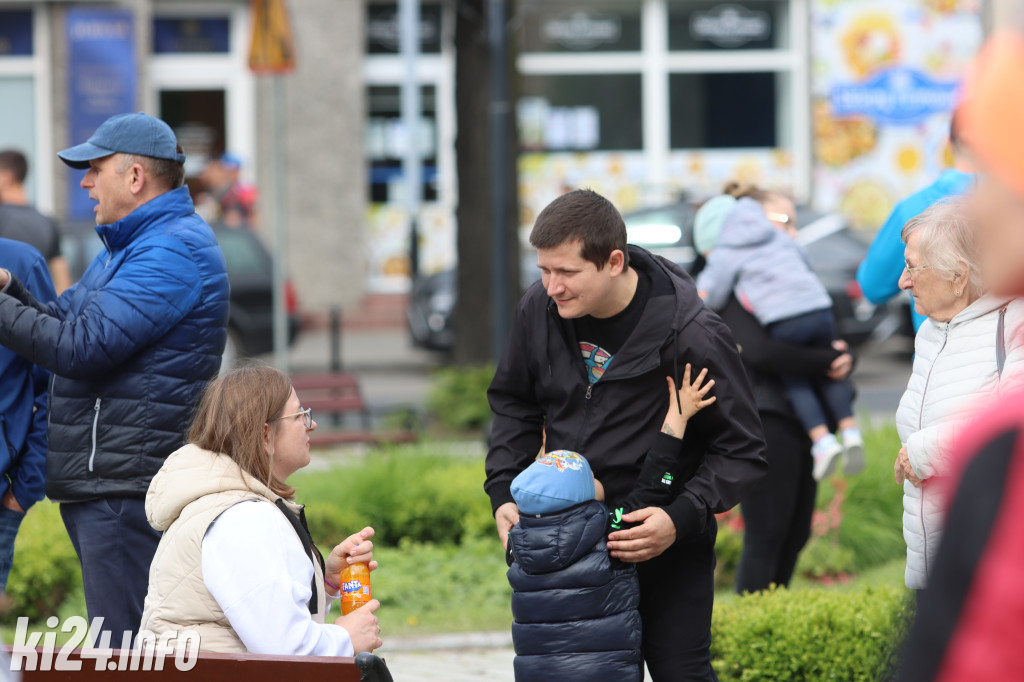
(16, 33)
(900, 96)
(730, 26)
(177, 36)
(582, 31)
(382, 29)
(102, 81)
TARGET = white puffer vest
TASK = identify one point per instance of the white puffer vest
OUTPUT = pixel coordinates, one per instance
(955, 373)
(190, 491)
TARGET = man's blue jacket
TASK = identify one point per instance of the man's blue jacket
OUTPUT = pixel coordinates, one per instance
(131, 346)
(23, 398)
(879, 273)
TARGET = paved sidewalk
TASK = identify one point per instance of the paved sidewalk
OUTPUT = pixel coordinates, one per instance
(459, 657)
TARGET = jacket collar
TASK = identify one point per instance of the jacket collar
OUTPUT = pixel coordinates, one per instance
(983, 306)
(175, 203)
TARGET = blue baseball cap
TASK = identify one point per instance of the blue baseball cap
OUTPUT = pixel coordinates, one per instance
(554, 482)
(229, 160)
(139, 134)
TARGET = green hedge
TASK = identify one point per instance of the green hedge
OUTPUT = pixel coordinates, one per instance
(457, 398)
(413, 493)
(46, 568)
(813, 634)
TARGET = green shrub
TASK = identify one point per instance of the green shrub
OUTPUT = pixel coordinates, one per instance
(728, 548)
(443, 588)
(458, 397)
(812, 635)
(46, 568)
(412, 492)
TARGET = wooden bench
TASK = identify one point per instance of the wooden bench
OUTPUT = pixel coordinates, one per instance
(208, 667)
(337, 394)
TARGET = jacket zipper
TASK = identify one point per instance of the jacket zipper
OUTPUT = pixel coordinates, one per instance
(920, 425)
(95, 424)
(110, 253)
(586, 417)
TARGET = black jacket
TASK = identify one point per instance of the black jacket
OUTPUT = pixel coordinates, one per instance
(576, 617)
(766, 359)
(541, 383)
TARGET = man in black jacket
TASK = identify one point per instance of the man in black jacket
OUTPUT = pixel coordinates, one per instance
(584, 368)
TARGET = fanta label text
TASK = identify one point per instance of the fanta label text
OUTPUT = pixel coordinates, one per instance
(352, 587)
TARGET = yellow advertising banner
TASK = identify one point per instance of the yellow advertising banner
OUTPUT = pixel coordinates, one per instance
(272, 49)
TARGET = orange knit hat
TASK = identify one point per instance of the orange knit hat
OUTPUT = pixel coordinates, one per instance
(993, 108)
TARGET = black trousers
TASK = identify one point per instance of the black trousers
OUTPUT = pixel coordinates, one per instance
(777, 511)
(677, 593)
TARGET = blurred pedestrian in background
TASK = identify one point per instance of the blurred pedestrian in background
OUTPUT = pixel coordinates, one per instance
(235, 201)
(21, 222)
(970, 620)
(879, 273)
(771, 275)
(778, 509)
(23, 411)
(131, 347)
(969, 344)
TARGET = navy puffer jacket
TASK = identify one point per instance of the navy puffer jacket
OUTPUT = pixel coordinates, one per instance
(576, 617)
(131, 346)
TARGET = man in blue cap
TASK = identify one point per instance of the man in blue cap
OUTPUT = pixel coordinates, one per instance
(131, 347)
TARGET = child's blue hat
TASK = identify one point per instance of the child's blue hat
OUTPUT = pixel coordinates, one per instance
(554, 482)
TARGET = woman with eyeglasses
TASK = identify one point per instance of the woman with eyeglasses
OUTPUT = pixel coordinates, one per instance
(969, 346)
(236, 562)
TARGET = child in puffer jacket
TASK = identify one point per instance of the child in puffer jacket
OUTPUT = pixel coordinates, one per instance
(575, 608)
(770, 274)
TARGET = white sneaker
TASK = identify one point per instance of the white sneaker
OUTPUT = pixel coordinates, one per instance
(825, 452)
(853, 452)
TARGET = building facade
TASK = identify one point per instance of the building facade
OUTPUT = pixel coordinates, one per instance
(66, 66)
(845, 105)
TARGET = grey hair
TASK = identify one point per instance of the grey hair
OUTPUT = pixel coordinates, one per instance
(948, 241)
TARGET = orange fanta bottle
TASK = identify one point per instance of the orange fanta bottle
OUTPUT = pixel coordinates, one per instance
(355, 587)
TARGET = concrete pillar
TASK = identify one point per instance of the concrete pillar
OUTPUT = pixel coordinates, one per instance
(325, 170)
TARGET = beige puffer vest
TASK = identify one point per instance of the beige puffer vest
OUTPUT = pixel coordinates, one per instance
(190, 491)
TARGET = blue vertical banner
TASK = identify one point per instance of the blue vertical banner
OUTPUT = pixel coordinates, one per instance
(102, 81)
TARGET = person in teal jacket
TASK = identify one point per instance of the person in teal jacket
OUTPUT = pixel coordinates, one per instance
(879, 273)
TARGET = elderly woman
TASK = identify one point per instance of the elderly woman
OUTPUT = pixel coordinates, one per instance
(969, 344)
(236, 562)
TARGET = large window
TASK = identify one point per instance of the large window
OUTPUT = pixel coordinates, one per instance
(723, 110)
(584, 112)
(386, 139)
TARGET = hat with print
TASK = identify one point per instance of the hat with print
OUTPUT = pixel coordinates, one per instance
(554, 482)
(139, 134)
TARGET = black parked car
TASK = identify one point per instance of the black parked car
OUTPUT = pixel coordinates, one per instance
(250, 321)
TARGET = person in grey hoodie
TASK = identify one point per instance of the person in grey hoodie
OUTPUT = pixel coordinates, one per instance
(771, 276)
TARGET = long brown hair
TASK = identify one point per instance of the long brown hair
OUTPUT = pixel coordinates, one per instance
(231, 416)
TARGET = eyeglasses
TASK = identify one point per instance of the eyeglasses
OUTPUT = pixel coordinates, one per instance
(784, 218)
(307, 416)
(906, 266)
